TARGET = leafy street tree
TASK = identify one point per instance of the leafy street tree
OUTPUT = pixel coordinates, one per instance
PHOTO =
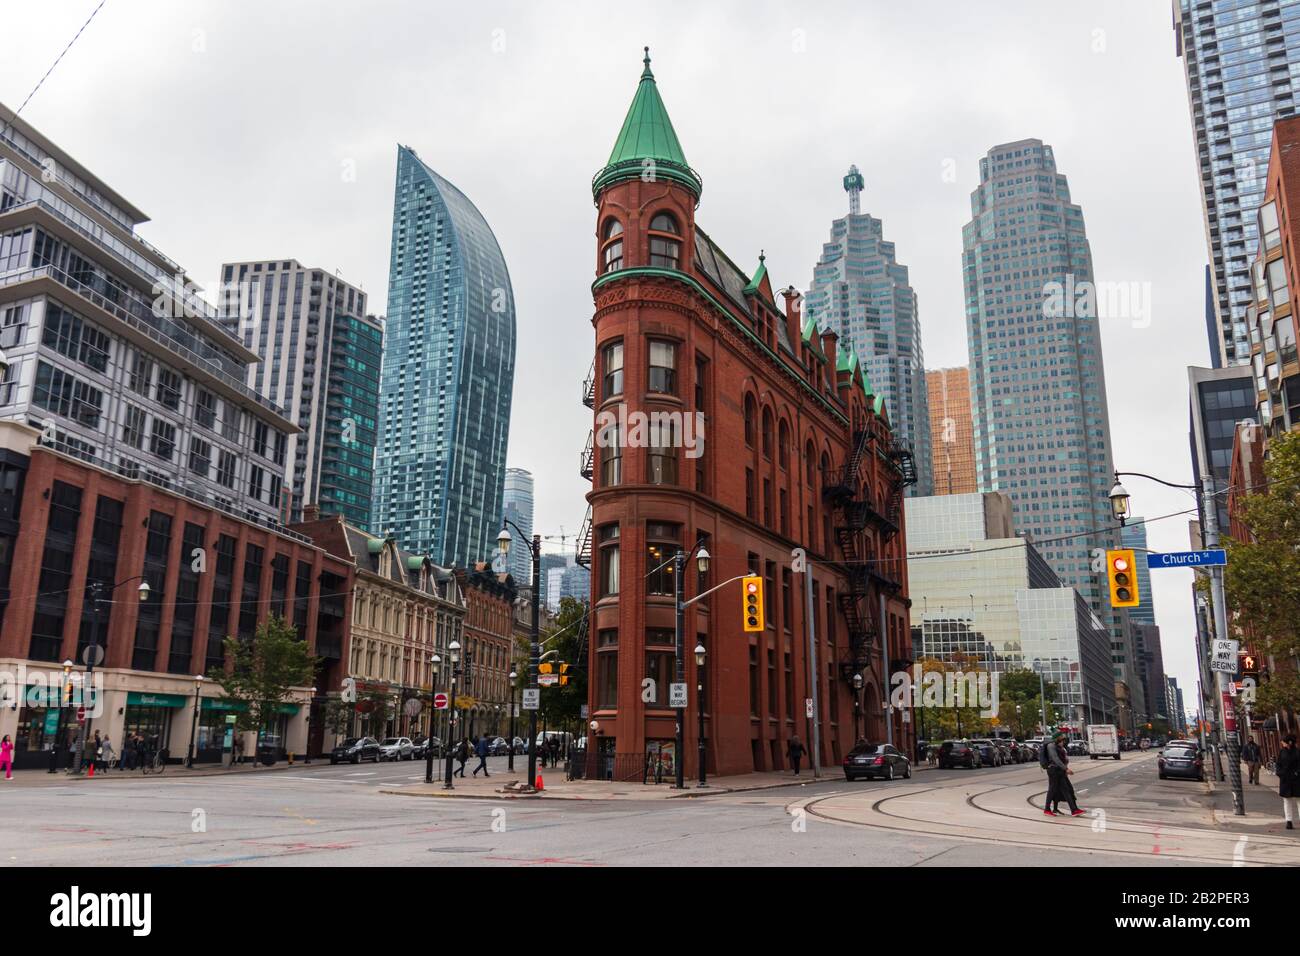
(562, 705)
(1262, 579)
(263, 672)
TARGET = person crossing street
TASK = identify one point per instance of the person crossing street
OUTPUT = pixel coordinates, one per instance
(1059, 786)
(480, 751)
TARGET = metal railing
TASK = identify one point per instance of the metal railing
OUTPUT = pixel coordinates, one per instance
(143, 321)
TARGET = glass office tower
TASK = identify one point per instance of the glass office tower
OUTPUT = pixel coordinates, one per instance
(861, 291)
(1038, 391)
(519, 509)
(448, 377)
(1240, 59)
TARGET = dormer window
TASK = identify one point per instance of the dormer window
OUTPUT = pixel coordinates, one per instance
(612, 246)
(665, 247)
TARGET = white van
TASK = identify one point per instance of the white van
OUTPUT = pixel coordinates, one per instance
(1103, 741)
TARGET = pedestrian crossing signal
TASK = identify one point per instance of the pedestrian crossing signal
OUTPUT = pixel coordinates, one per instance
(1123, 579)
(564, 674)
(752, 589)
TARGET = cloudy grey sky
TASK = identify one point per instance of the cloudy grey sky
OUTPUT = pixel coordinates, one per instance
(233, 124)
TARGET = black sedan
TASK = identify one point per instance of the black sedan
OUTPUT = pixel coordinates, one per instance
(959, 753)
(876, 760)
(1181, 760)
(355, 750)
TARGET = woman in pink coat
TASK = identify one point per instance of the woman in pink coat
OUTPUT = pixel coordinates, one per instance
(7, 757)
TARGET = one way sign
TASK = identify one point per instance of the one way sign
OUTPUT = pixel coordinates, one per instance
(1224, 656)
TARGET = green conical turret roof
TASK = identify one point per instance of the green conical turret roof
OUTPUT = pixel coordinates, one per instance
(647, 143)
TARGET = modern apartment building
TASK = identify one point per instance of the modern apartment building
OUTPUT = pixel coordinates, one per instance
(1038, 388)
(320, 355)
(981, 593)
(448, 378)
(519, 509)
(112, 353)
(133, 451)
(861, 291)
(952, 444)
(1240, 59)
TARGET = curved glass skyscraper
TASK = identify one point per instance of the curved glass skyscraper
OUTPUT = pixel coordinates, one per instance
(449, 366)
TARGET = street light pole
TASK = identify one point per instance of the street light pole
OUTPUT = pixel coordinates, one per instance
(194, 724)
(510, 759)
(699, 706)
(857, 708)
(534, 646)
(453, 653)
(435, 663)
(91, 652)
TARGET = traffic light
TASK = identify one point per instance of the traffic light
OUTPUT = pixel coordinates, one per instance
(752, 589)
(1123, 579)
(564, 674)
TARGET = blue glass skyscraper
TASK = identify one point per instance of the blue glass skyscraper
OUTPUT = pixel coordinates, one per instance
(449, 365)
(861, 292)
(1241, 59)
(1038, 389)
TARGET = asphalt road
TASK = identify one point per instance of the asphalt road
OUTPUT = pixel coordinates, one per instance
(320, 815)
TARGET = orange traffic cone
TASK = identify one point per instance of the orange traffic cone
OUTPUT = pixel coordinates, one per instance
(92, 769)
(540, 785)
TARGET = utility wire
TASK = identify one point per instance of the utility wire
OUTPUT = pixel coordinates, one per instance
(57, 60)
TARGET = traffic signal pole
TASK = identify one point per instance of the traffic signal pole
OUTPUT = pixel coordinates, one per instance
(1227, 713)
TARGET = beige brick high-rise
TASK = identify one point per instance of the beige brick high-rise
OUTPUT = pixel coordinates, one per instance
(951, 441)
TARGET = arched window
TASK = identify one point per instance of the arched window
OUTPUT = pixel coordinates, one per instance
(810, 464)
(767, 433)
(750, 410)
(783, 445)
(664, 245)
(612, 246)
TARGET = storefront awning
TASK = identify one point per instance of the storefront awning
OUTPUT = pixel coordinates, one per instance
(221, 703)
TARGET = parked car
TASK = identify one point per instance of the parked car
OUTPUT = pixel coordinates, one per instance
(959, 753)
(1077, 748)
(989, 752)
(423, 745)
(1181, 759)
(520, 745)
(396, 748)
(1008, 748)
(876, 760)
(498, 747)
(355, 750)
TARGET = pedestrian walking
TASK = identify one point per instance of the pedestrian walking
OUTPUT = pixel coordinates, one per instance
(140, 755)
(7, 757)
(794, 750)
(106, 754)
(462, 755)
(1288, 778)
(553, 748)
(1251, 755)
(97, 755)
(481, 751)
(1059, 786)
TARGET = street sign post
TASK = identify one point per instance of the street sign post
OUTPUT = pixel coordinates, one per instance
(1210, 558)
(532, 698)
(677, 695)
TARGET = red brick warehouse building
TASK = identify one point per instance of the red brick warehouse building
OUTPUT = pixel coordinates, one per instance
(797, 453)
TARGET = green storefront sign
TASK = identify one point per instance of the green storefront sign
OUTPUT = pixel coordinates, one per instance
(211, 703)
(138, 699)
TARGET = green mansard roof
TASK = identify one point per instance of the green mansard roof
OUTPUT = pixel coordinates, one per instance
(647, 142)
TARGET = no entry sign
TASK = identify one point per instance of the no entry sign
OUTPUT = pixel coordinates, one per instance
(439, 701)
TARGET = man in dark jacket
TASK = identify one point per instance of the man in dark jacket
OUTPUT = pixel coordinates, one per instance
(1058, 777)
(481, 751)
(1250, 756)
(462, 755)
(1288, 778)
(794, 750)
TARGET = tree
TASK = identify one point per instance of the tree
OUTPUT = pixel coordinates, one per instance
(1021, 687)
(567, 636)
(263, 673)
(1262, 580)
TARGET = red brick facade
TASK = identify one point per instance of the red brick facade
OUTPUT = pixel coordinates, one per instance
(783, 416)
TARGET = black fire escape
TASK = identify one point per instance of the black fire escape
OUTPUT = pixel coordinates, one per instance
(586, 467)
(867, 574)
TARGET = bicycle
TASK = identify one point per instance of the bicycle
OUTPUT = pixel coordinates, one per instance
(155, 764)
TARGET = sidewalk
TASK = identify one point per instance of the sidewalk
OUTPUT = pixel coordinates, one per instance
(1263, 805)
(501, 786)
(35, 777)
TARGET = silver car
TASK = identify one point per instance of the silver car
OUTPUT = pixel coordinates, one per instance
(396, 748)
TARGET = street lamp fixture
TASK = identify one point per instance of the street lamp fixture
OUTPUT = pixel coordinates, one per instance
(1119, 503)
(143, 590)
(702, 560)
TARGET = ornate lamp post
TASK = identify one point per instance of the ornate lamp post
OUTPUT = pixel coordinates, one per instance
(857, 708)
(435, 663)
(534, 648)
(194, 724)
(510, 759)
(453, 652)
(700, 654)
